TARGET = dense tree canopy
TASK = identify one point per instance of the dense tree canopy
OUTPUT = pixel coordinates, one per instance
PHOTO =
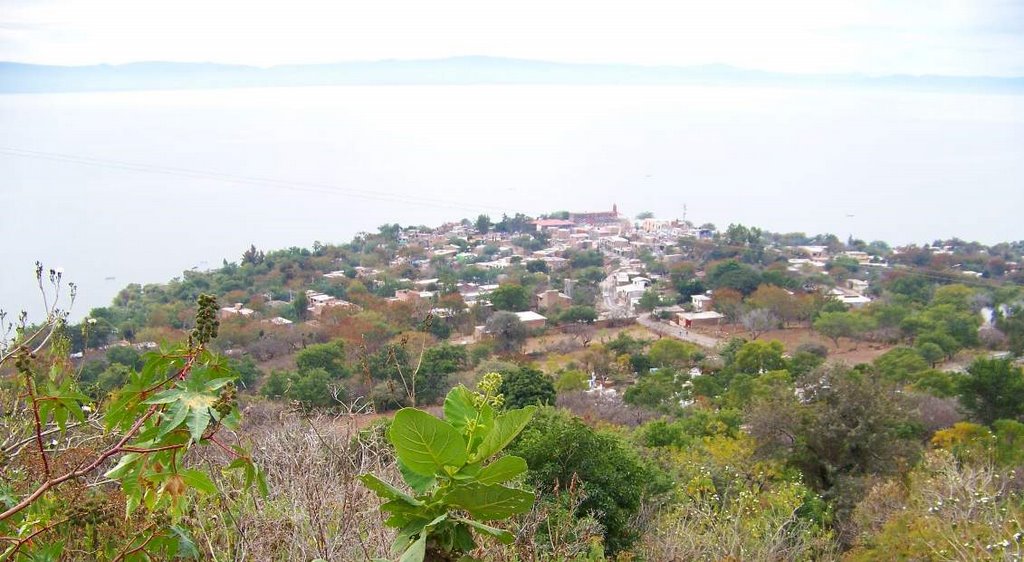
(993, 389)
(510, 297)
(561, 450)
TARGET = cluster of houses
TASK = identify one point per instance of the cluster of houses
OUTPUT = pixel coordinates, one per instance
(614, 236)
(815, 258)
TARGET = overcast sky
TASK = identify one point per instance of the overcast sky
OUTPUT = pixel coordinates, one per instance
(959, 37)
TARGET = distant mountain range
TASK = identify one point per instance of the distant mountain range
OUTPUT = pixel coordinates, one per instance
(27, 78)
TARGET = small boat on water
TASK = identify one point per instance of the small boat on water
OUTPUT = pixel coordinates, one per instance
(110, 278)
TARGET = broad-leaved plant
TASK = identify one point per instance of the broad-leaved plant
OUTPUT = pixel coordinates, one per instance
(456, 486)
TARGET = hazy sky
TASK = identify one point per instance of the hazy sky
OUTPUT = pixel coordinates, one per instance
(962, 37)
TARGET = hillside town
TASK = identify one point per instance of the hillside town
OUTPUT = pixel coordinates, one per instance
(700, 370)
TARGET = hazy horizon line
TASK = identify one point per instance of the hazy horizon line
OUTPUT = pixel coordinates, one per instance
(527, 60)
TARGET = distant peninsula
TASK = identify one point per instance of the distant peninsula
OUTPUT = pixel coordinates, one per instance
(31, 78)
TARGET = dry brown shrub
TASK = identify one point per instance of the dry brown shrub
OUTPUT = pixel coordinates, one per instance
(316, 508)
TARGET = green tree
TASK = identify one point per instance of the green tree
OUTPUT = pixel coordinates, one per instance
(649, 300)
(510, 297)
(585, 259)
(125, 355)
(835, 325)
(571, 381)
(327, 356)
(483, 224)
(731, 274)
(526, 386)
(113, 377)
(300, 306)
(911, 289)
(248, 372)
(575, 314)
(993, 389)
(616, 481)
(900, 364)
(316, 388)
(845, 427)
(624, 344)
(759, 357)
(654, 391)
(276, 386)
(671, 353)
(508, 331)
(252, 256)
(537, 266)
(930, 352)
(437, 364)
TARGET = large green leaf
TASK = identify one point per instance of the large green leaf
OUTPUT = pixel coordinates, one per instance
(501, 534)
(186, 546)
(124, 464)
(416, 551)
(198, 480)
(387, 491)
(458, 408)
(62, 402)
(404, 537)
(484, 425)
(190, 401)
(490, 501)
(402, 514)
(502, 470)
(418, 482)
(506, 427)
(426, 444)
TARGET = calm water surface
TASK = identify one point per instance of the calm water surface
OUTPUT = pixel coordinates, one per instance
(139, 186)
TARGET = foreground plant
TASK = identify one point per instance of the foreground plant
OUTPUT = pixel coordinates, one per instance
(456, 489)
(109, 481)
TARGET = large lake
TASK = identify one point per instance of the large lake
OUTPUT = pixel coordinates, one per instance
(139, 186)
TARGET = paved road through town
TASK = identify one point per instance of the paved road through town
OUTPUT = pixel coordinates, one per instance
(677, 332)
(611, 307)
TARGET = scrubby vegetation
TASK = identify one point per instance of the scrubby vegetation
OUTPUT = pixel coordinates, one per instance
(278, 438)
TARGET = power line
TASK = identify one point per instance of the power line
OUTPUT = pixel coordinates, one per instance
(312, 187)
(956, 277)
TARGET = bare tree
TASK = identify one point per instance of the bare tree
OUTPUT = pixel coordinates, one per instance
(758, 321)
(581, 332)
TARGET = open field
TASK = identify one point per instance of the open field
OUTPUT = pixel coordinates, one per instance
(849, 351)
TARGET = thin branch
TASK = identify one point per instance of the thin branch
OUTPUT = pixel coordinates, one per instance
(213, 439)
(125, 553)
(145, 450)
(22, 542)
(30, 384)
(50, 483)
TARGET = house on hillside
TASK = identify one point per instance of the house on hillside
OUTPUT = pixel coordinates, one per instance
(693, 319)
(532, 320)
(700, 303)
(553, 300)
(318, 302)
(813, 252)
(235, 311)
(857, 285)
(849, 297)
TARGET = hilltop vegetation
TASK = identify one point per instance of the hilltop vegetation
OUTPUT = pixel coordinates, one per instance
(646, 444)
